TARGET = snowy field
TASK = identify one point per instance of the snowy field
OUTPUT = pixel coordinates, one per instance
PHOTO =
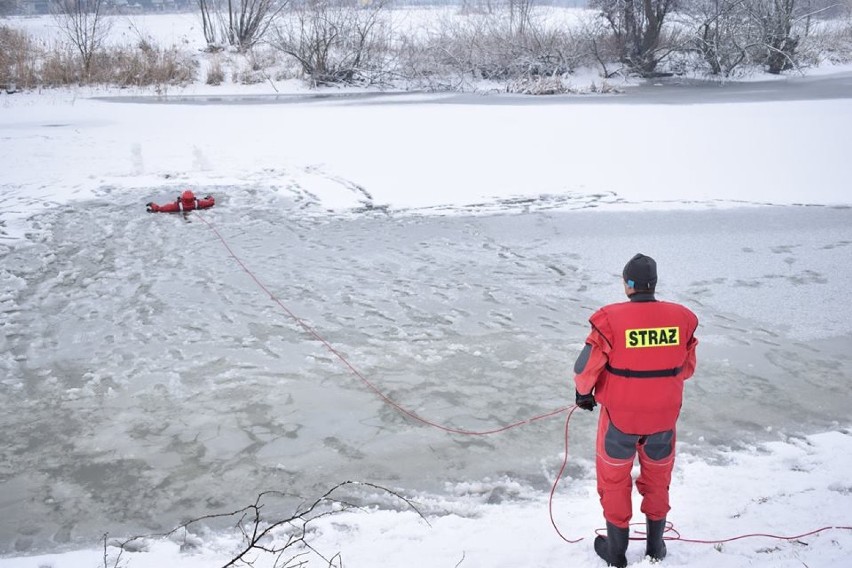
(450, 250)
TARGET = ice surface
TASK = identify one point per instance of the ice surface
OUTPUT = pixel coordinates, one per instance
(148, 378)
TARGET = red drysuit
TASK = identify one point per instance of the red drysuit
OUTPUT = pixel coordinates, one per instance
(636, 358)
(186, 202)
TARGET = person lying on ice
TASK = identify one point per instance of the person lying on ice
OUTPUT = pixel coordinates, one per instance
(186, 202)
(635, 361)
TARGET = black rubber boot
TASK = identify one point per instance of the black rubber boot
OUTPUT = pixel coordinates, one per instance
(613, 547)
(656, 548)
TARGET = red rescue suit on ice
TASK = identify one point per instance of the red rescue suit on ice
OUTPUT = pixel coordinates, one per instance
(637, 356)
(186, 202)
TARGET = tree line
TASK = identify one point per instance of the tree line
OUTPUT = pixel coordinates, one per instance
(515, 42)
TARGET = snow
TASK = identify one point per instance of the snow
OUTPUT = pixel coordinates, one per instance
(451, 248)
(809, 491)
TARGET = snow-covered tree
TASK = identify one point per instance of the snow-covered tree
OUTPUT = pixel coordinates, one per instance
(638, 31)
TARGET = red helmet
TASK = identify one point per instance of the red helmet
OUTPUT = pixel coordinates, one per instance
(187, 196)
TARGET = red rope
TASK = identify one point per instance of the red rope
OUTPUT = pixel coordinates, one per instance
(401, 409)
(670, 528)
(556, 483)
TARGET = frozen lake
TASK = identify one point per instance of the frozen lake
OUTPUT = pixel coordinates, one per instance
(147, 379)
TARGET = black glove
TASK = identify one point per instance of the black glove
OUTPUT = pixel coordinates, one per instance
(149, 207)
(585, 401)
(208, 197)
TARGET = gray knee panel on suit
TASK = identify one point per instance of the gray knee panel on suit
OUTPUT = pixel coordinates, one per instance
(619, 445)
(660, 445)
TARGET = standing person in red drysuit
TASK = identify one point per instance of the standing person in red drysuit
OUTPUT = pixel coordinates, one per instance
(634, 363)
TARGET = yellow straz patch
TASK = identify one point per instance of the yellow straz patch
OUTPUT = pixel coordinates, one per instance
(652, 337)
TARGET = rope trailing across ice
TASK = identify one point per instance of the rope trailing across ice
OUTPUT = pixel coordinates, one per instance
(401, 409)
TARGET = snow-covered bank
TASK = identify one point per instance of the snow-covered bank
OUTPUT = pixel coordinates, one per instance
(781, 489)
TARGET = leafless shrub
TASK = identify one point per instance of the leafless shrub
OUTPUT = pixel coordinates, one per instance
(143, 65)
(604, 88)
(556, 86)
(337, 41)
(19, 59)
(442, 58)
(246, 75)
(215, 73)
(502, 49)
(256, 66)
(59, 67)
(838, 41)
(283, 541)
(239, 23)
(148, 65)
(601, 46)
(538, 86)
(826, 41)
(511, 45)
(271, 64)
(416, 64)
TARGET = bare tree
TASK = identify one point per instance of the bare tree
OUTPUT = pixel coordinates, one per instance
(210, 19)
(723, 34)
(336, 42)
(730, 34)
(238, 23)
(637, 27)
(777, 19)
(520, 12)
(249, 20)
(83, 22)
(597, 44)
